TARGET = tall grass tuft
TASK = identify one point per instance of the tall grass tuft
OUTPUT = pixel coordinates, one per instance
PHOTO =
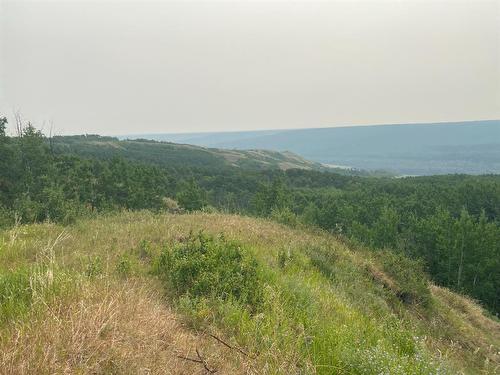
(15, 294)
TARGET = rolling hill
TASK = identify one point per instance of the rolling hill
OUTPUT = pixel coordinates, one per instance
(406, 149)
(178, 155)
(104, 295)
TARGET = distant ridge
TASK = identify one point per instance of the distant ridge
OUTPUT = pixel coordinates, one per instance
(179, 155)
(471, 147)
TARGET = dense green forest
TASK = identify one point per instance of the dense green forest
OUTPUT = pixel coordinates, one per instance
(449, 222)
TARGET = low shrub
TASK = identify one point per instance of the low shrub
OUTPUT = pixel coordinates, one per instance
(210, 267)
(171, 205)
(284, 216)
(6, 217)
(94, 267)
(124, 266)
(144, 250)
(411, 282)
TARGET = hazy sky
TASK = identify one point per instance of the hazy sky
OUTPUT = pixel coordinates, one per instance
(175, 66)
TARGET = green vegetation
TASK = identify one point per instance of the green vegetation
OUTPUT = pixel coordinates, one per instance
(166, 154)
(297, 301)
(204, 267)
(451, 223)
(336, 276)
(15, 294)
(219, 285)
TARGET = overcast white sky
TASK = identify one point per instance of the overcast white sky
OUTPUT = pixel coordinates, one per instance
(114, 67)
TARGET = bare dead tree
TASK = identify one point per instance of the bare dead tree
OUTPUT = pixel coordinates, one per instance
(51, 136)
(19, 123)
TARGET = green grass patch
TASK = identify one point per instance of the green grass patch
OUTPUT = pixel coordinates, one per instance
(28, 290)
(290, 308)
(16, 295)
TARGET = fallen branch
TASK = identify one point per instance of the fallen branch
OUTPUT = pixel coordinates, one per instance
(200, 360)
(230, 346)
(205, 364)
(189, 359)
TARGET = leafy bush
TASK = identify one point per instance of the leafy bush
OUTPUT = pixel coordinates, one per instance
(124, 266)
(409, 276)
(191, 197)
(144, 250)
(171, 205)
(203, 266)
(28, 210)
(95, 267)
(284, 216)
(6, 217)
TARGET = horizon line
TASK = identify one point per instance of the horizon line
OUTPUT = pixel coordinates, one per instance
(314, 128)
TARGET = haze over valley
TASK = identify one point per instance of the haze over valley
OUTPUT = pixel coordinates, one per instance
(406, 149)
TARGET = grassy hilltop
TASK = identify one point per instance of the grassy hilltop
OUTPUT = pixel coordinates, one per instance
(178, 155)
(141, 292)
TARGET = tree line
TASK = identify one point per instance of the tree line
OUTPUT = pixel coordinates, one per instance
(450, 222)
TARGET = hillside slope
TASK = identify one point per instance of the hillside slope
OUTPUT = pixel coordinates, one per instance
(178, 155)
(92, 298)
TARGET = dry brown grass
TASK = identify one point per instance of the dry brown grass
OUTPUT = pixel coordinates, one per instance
(469, 311)
(113, 327)
(465, 328)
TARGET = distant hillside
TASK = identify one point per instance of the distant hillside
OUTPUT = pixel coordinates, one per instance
(172, 155)
(405, 149)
